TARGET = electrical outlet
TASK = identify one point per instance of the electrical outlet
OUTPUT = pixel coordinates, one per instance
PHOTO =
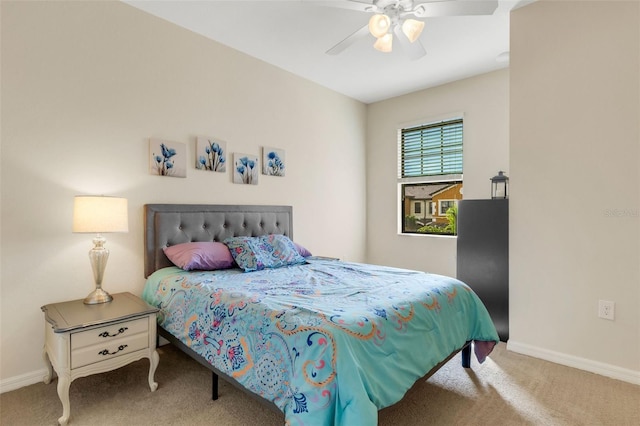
(606, 309)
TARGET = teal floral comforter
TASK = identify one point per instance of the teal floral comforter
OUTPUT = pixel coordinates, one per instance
(329, 342)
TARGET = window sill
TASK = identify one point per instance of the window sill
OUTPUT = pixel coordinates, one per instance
(426, 235)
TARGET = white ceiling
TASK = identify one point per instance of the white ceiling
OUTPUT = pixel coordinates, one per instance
(295, 34)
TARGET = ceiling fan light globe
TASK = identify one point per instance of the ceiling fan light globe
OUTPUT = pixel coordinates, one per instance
(412, 29)
(379, 25)
(384, 43)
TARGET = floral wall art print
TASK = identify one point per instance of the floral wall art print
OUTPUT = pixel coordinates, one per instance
(211, 155)
(245, 169)
(273, 161)
(167, 158)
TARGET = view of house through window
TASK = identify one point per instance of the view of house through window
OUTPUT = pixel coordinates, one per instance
(431, 208)
(430, 177)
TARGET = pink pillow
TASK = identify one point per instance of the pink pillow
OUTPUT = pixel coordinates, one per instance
(205, 256)
(303, 251)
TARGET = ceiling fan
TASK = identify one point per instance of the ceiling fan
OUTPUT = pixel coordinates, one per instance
(394, 19)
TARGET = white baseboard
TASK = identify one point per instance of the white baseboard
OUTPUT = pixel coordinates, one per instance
(17, 382)
(608, 370)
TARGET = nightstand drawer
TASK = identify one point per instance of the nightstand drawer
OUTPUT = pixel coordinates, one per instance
(107, 335)
(106, 350)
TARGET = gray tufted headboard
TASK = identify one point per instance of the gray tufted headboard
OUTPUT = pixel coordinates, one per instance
(170, 224)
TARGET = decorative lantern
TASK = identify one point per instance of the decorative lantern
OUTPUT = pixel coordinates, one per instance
(500, 186)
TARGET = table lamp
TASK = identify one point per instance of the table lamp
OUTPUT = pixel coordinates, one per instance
(99, 214)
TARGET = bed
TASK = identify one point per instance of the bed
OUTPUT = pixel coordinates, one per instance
(324, 341)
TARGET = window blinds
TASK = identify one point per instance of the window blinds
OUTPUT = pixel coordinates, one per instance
(431, 149)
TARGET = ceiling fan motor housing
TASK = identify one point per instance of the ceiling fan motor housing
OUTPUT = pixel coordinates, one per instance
(393, 7)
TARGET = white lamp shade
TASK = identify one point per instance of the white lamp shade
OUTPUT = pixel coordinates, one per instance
(412, 29)
(384, 43)
(98, 214)
(379, 25)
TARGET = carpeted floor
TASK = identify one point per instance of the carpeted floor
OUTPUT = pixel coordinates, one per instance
(508, 389)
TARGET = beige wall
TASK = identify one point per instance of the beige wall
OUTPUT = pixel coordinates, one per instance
(484, 101)
(575, 117)
(84, 85)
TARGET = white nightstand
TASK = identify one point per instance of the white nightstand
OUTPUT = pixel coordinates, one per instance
(81, 340)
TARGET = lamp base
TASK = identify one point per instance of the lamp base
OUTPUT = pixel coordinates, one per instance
(98, 296)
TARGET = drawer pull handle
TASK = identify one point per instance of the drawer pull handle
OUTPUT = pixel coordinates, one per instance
(106, 333)
(106, 352)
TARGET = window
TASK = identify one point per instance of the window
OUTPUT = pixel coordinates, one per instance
(430, 173)
(446, 205)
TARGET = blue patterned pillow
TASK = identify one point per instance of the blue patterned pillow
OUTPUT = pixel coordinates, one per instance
(267, 251)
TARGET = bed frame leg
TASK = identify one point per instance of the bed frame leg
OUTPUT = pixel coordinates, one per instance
(214, 386)
(466, 356)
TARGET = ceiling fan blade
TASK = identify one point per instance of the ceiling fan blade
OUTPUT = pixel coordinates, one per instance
(349, 41)
(455, 8)
(414, 50)
(361, 6)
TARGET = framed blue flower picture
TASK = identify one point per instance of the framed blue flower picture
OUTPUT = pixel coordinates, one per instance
(211, 154)
(245, 169)
(167, 158)
(273, 163)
